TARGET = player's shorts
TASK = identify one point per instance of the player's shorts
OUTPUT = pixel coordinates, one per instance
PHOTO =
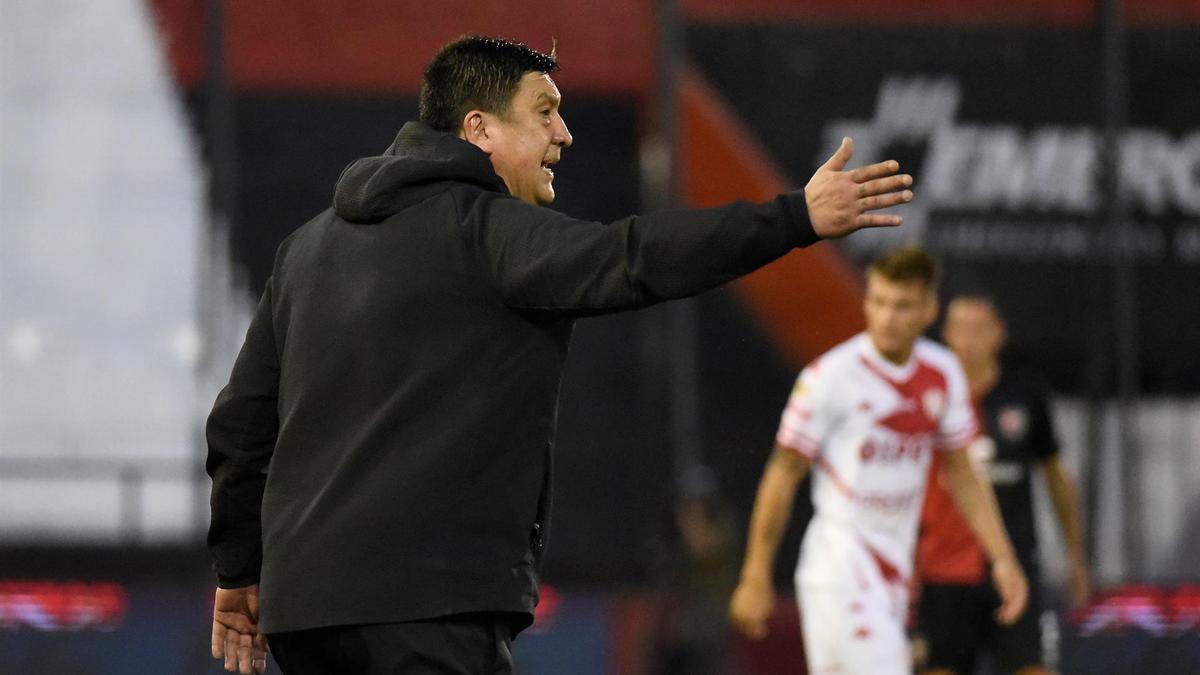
(852, 607)
(958, 624)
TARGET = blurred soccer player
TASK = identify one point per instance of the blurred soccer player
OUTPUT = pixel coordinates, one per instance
(954, 610)
(867, 416)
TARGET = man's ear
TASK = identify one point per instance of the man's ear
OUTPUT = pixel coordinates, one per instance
(475, 130)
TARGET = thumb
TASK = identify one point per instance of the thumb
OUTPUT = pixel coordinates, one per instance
(841, 157)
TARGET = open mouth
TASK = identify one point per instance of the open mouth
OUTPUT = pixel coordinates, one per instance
(546, 166)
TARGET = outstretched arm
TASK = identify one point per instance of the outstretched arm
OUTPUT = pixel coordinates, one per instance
(540, 259)
(754, 597)
(977, 503)
(1062, 494)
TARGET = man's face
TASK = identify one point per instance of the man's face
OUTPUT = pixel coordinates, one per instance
(973, 330)
(527, 141)
(897, 313)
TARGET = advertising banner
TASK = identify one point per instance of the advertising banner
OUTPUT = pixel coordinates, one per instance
(1003, 131)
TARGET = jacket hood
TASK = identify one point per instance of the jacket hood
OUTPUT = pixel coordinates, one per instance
(419, 164)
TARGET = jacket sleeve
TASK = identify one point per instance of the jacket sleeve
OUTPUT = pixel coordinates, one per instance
(241, 434)
(541, 259)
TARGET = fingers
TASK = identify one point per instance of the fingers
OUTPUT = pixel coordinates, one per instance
(1004, 614)
(1013, 603)
(875, 220)
(231, 647)
(750, 621)
(884, 201)
(244, 646)
(258, 660)
(841, 156)
(246, 654)
(1010, 611)
(884, 185)
(872, 171)
(753, 628)
(218, 640)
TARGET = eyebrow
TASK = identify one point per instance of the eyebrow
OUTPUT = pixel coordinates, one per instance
(553, 100)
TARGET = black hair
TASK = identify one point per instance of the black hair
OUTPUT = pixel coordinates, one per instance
(477, 72)
(981, 297)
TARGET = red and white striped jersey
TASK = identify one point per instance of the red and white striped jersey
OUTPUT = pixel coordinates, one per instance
(870, 427)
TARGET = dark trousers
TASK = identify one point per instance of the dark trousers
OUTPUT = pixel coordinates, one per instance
(461, 644)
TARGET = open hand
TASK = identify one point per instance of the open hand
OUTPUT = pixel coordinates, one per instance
(839, 201)
(235, 636)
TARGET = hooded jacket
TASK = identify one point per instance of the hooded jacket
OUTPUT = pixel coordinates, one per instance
(382, 450)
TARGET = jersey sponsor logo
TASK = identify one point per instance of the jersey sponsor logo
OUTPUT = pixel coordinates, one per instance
(1013, 422)
(883, 501)
(894, 449)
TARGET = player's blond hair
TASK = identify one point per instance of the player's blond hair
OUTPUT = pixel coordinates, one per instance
(907, 264)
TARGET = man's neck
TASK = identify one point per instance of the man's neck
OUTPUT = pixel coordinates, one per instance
(896, 358)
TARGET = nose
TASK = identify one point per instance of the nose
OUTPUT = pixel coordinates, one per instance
(562, 135)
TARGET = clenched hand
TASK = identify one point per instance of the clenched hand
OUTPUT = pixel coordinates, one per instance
(750, 608)
(1013, 589)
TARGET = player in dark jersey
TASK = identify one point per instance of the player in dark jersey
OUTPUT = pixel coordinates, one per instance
(955, 613)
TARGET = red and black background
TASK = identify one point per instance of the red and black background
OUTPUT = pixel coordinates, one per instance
(314, 85)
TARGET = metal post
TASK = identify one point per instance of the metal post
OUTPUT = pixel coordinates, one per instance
(219, 117)
(682, 315)
(219, 135)
(129, 521)
(1123, 284)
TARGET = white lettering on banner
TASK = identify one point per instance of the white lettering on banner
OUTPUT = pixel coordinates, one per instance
(1001, 168)
(1185, 173)
(1066, 239)
(1145, 159)
(974, 167)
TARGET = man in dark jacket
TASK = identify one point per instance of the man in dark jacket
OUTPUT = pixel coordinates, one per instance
(381, 455)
